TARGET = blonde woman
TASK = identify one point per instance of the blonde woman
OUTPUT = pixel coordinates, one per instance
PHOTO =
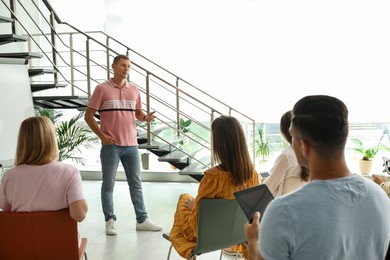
(38, 182)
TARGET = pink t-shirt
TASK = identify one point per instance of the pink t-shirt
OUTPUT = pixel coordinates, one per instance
(116, 107)
(51, 186)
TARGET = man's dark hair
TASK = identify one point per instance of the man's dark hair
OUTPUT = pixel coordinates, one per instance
(119, 57)
(285, 122)
(323, 122)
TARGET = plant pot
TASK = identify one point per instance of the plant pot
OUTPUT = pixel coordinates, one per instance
(365, 166)
(145, 161)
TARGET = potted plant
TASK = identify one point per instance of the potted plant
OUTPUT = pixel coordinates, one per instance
(368, 154)
(184, 126)
(70, 136)
(263, 146)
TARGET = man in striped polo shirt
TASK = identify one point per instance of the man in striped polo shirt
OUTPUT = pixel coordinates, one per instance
(119, 105)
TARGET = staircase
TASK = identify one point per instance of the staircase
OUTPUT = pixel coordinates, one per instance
(65, 64)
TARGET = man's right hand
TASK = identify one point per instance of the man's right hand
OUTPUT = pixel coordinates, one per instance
(252, 235)
(106, 139)
(379, 179)
(252, 229)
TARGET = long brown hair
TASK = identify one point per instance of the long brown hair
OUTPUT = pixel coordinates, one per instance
(229, 148)
(37, 143)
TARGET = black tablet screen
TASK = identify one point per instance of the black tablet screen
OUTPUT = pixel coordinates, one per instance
(254, 199)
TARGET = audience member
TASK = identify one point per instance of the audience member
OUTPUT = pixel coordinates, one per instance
(286, 174)
(234, 171)
(381, 181)
(338, 215)
(38, 182)
(119, 105)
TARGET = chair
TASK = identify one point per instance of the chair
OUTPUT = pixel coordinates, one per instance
(220, 225)
(40, 235)
(292, 183)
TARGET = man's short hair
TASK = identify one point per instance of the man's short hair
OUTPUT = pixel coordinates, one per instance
(119, 57)
(322, 121)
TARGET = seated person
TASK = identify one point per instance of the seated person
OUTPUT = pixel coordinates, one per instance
(38, 182)
(381, 181)
(286, 174)
(328, 217)
(234, 171)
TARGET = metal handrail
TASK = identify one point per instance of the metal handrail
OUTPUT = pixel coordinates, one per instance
(176, 88)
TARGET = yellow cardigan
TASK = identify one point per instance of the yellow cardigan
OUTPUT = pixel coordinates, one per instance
(214, 184)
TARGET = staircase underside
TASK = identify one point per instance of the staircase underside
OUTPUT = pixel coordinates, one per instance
(26, 55)
(4, 19)
(39, 71)
(39, 86)
(61, 102)
(8, 38)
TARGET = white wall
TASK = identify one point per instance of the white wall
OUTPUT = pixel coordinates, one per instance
(259, 56)
(15, 105)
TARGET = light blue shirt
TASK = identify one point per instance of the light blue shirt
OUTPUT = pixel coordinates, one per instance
(345, 218)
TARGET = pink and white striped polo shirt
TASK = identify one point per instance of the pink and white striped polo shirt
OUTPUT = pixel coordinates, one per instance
(116, 107)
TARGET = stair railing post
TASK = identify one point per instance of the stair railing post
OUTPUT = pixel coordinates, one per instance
(108, 57)
(29, 47)
(211, 148)
(12, 5)
(88, 68)
(147, 92)
(71, 62)
(53, 48)
(177, 107)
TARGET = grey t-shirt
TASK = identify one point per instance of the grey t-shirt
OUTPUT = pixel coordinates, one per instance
(345, 218)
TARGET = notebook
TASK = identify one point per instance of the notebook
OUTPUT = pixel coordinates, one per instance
(254, 199)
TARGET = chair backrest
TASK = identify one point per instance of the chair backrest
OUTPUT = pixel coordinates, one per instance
(220, 225)
(38, 235)
(292, 183)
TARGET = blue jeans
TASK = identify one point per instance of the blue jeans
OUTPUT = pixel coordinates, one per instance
(128, 155)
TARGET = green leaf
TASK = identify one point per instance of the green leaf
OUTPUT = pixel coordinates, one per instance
(368, 153)
(263, 146)
(70, 137)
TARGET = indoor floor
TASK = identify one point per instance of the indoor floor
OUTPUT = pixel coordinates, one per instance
(129, 244)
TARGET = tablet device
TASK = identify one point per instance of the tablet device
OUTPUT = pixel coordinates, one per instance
(265, 174)
(254, 199)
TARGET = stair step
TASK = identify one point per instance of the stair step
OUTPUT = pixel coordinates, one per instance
(154, 148)
(159, 152)
(155, 129)
(193, 168)
(39, 86)
(39, 71)
(197, 166)
(4, 19)
(140, 140)
(148, 146)
(175, 156)
(26, 55)
(9, 38)
(61, 102)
